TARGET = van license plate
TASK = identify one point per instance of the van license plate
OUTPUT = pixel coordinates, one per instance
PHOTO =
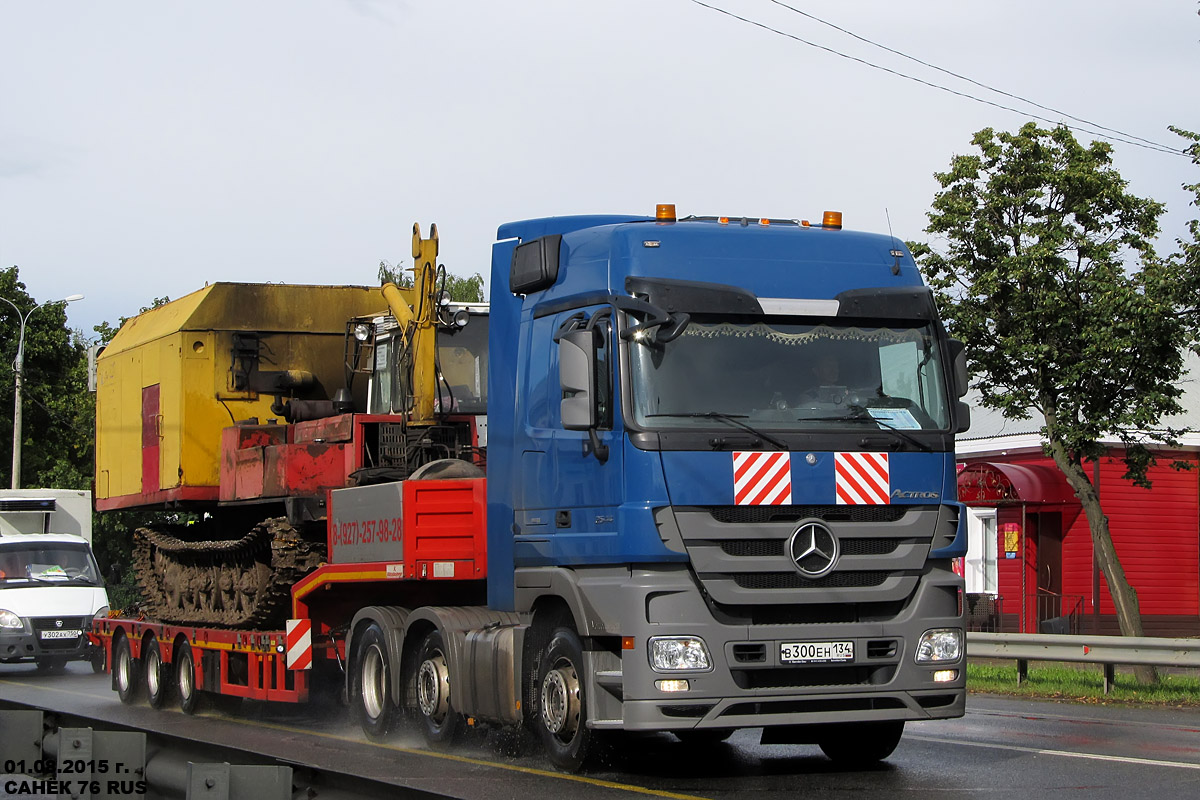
(61, 634)
(815, 652)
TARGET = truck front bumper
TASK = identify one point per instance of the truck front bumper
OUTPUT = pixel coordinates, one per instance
(748, 683)
(32, 642)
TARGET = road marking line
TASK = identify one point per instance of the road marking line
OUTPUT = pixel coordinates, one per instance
(1147, 762)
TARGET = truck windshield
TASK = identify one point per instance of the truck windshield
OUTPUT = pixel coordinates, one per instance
(52, 563)
(792, 376)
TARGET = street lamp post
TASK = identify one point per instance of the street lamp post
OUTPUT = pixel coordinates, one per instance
(18, 367)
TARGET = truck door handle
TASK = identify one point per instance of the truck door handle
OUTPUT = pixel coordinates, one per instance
(562, 519)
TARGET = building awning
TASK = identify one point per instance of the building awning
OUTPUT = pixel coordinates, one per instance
(990, 483)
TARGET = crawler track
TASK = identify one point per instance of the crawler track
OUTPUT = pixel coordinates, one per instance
(236, 583)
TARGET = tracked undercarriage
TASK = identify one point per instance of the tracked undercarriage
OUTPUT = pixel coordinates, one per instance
(237, 583)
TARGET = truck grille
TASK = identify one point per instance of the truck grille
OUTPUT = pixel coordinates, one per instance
(753, 515)
(793, 678)
(741, 557)
(794, 580)
(765, 548)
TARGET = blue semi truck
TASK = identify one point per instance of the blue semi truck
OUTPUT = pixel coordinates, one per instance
(719, 494)
(721, 465)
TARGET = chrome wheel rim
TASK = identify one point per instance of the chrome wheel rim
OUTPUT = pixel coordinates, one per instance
(374, 682)
(433, 687)
(153, 665)
(560, 700)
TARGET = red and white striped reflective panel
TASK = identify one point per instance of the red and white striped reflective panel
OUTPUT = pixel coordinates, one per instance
(762, 479)
(862, 479)
(299, 644)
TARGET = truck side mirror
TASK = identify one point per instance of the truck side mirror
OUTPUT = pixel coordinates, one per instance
(958, 351)
(962, 417)
(577, 377)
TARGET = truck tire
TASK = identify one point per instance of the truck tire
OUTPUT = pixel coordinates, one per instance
(185, 678)
(561, 719)
(860, 744)
(157, 674)
(127, 676)
(371, 684)
(440, 723)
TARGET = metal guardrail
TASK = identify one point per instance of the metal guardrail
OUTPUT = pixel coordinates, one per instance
(39, 756)
(1107, 651)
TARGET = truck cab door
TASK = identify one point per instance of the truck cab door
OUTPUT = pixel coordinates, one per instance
(571, 479)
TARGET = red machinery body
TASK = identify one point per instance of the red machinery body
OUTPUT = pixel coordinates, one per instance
(427, 544)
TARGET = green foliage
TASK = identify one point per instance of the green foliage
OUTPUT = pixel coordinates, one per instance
(1047, 271)
(1189, 249)
(57, 409)
(461, 289)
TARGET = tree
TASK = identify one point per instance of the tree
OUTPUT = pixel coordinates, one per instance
(1050, 277)
(462, 290)
(57, 409)
(1189, 249)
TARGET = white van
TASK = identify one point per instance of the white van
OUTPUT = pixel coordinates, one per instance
(50, 590)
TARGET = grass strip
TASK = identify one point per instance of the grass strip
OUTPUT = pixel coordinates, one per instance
(1083, 684)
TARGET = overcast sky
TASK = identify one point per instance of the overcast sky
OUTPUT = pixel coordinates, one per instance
(149, 147)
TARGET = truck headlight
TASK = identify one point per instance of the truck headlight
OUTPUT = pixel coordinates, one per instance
(939, 644)
(679, 653)
(10, 620)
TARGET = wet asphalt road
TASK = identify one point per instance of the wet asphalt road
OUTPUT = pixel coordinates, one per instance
(1002, 748)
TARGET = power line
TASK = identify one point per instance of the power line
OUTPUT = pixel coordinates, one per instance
(1121, 138)
(953, 74)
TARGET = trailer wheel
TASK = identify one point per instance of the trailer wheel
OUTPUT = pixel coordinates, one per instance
(860, 744)
(157, 674)
(371, 685)
(127, 678)
(440, 723)
(185, 678)
(561, 720)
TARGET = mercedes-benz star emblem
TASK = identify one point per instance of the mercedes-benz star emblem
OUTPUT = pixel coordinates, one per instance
(814, 549)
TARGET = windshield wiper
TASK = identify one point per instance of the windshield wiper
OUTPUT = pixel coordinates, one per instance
(730, 419)
(862, 415)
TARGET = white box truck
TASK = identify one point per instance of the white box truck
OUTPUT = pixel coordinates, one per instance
(50, 585)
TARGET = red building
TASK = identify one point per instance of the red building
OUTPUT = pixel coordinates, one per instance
(1030, 564)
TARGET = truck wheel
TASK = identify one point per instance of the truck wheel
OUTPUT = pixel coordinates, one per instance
(860, 744)
(371, 684)
(185, 678)
(127, 677)
(561, 720)
(157, 674)
(440, 723)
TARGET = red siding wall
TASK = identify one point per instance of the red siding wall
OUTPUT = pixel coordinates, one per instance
(1156, 533)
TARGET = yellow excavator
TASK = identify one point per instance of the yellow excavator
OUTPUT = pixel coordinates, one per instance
(238, 407)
